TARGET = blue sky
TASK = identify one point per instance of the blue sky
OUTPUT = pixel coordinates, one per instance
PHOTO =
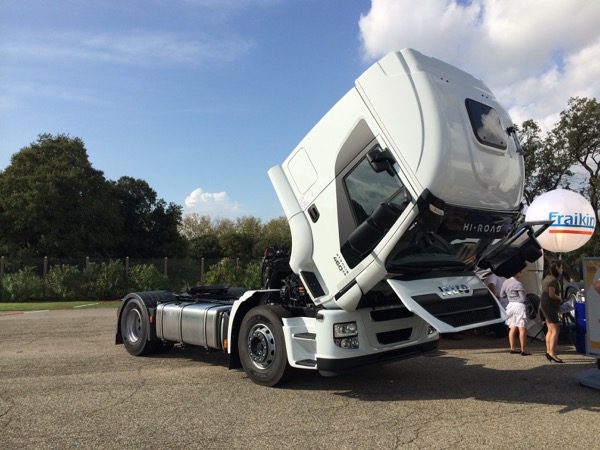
(201, 97)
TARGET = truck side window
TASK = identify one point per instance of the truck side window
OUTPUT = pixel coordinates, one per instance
(486, 124)
(367, 189)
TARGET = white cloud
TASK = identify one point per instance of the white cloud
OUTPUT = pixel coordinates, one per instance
(215, 204)
(533, 54)
(50, 91)
(395, 24)
(544, 96)
(139, 47)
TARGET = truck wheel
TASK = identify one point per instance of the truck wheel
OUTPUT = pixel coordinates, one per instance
(262, 346)
(135, 327)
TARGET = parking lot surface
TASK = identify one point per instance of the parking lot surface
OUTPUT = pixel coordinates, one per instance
(65, 385)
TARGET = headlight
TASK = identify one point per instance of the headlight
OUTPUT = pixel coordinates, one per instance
(345, 335)
(347, 329)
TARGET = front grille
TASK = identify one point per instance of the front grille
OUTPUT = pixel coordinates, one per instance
(461, 311)
(391, 337)
(382, 315)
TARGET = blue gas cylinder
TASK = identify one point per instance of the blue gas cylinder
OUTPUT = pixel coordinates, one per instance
(580, 327)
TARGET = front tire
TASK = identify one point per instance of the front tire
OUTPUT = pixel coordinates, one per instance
(135, 329)
(262, 347)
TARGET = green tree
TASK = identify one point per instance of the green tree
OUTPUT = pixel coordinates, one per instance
(568, 157)
(165, 236)
(246, 237)
(251, 229)
(150, 225)
(236, 245)
(547, 166)
(578, 132)
(205, 246)
(53, 202)
(249, 226)
(194, 225)
(223, 226)
(276, 234)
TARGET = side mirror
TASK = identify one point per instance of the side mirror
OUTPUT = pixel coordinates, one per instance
(368, 234)
(381, 160)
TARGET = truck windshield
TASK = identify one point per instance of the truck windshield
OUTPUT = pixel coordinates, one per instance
(456, 243)
(419, 249)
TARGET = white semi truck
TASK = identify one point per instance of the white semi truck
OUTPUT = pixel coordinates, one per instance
(410, 183)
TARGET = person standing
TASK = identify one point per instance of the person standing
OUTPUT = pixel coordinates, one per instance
(514, 291)
(494, 284)
(549, 308)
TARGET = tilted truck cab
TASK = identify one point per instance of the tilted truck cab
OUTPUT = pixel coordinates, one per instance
(408, 184)
(412, 174)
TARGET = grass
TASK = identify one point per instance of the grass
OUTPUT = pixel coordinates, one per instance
(43, 306)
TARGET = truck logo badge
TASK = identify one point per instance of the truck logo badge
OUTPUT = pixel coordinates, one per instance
(453, 289)
(482, 228)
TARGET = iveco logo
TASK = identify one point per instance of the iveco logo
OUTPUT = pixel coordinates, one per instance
(454, 289)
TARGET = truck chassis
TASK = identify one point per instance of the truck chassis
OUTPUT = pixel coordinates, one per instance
(270, 332)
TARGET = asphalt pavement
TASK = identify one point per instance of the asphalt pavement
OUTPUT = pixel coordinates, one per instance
(65, 385)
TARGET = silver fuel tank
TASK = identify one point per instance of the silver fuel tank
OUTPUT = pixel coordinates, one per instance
(202, 324)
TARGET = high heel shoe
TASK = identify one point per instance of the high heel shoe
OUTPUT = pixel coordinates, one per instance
(551, 358)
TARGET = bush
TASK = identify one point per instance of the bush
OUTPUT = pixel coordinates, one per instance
(251, 278)
(146, 277)
(223, 272)
(66, 282)
(226, 272)
(22, 286)
(106, 281)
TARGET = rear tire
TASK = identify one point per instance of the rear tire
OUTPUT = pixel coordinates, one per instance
(532, 306)
(262, 347)
(135, 329)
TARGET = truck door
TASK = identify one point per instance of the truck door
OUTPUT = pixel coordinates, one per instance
(375, 197)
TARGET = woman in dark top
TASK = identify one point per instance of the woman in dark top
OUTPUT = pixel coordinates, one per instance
(549, 306)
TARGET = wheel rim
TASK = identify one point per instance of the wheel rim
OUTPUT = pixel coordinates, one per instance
(261, 346)
(133, 325)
